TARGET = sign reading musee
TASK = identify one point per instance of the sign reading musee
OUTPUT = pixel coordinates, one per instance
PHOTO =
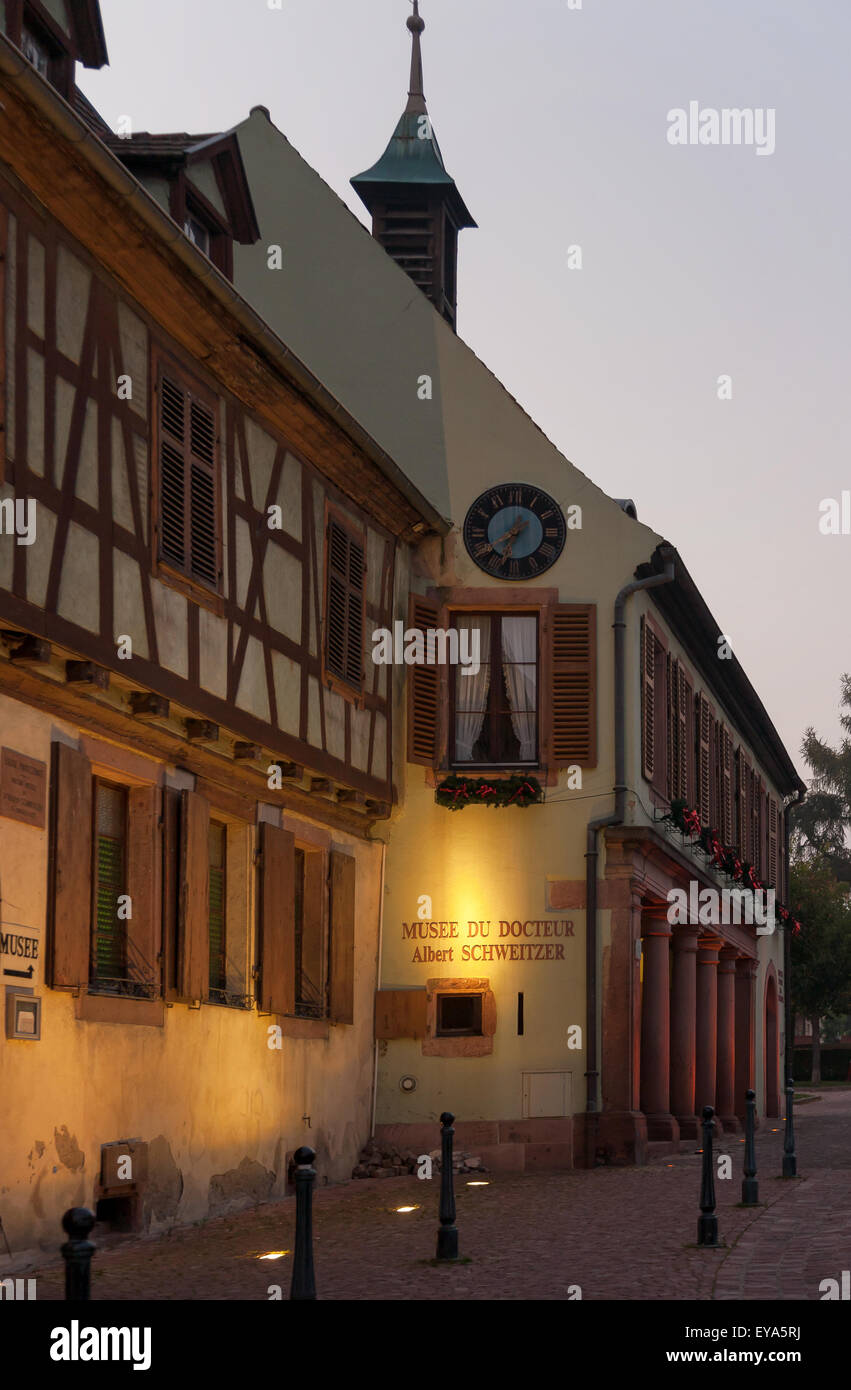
(478, 948)
(23, 788)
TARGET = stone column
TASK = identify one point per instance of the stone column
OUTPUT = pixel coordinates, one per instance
(683, 1029)
(745, 1031)
(706, 1046)
(726, 1054)
(655, 1026)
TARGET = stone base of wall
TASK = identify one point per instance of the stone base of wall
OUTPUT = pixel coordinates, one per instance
(611, 1138)
(504, 1146)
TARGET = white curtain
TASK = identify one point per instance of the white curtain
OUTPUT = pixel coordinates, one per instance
(519, 660)
(471, 691)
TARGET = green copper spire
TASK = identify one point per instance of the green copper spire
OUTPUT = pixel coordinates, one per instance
(413, 154)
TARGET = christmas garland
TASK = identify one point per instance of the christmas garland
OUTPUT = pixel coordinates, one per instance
(687, 821)
(456, 792)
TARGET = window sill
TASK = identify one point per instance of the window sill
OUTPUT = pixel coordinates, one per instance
(190, 588)
(114, 1008)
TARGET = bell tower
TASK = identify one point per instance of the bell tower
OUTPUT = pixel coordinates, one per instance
(417, 211)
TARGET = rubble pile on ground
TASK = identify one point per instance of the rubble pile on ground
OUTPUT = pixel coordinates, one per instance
(377, 1161)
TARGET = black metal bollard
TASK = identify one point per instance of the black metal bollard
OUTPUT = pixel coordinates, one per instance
(790, 1163)
(750, 1186)
(303, 1284)
(447, 1233)
(707, 1222)
(77, 1253)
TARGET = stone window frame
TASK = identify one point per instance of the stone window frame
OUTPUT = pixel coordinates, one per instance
(479, 1046)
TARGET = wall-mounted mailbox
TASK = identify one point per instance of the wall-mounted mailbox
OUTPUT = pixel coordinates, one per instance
(23, 1016)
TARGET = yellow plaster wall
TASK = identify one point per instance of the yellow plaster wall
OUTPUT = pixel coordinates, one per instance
(205, 1085)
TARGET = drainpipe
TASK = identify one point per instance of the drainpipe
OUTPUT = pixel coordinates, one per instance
(787, 953)
(592, 852)
(378, 985)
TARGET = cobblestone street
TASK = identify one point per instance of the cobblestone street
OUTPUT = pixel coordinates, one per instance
(617, 1233)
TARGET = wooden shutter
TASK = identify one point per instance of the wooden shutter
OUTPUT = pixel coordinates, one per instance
(401, 1013)
(344, 605)
(743, 816)
(144, 884)
(573, 684)
(187, 463)
(685, 720)
(277, 921)
(423, 690)
(671, 730)
(727, 826)
(653, 708)
(772, 843)
(342, 991)
(70, 897)
(705, 725)
(170, 891)
(4, 235)
(194, 942)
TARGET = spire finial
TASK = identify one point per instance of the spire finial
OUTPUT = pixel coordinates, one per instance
(416, 98)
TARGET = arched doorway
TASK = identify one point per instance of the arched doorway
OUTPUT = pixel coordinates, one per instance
(771, 1053)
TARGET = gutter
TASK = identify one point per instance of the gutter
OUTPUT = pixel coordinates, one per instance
(57, 111)
(788, 1024)
(592, 852)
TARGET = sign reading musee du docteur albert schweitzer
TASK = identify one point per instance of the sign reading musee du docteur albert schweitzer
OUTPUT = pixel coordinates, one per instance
(513, 940)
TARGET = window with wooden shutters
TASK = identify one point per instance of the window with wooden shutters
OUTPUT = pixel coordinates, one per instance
(310, 934)
(572, 725)
(342, 914)
(126, 890)
(187, 520)
(423, 690)
(344, 605)
(276, 993)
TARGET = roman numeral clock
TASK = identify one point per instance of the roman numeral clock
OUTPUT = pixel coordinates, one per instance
(515, 531)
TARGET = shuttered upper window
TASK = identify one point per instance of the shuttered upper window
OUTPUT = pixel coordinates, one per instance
(495, 709)
(344, 605)
(187, 522)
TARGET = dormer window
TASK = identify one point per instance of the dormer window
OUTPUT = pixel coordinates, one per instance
(35, 51)
(43, 43)
(198, 234)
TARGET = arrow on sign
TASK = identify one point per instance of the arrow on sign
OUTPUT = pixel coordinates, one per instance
(20, 974)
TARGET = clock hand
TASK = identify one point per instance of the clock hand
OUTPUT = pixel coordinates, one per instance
(511, 535)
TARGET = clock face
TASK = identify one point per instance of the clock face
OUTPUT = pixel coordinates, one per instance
(515, 531)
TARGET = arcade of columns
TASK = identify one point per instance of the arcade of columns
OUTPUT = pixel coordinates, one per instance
(679, 1007)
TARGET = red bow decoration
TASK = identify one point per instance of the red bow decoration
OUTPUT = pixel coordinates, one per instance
(691, 822)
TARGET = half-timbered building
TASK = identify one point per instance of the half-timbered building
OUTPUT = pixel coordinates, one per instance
(196, 537)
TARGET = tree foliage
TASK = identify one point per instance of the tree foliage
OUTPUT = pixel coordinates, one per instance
(821, 824)
(821, 952)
